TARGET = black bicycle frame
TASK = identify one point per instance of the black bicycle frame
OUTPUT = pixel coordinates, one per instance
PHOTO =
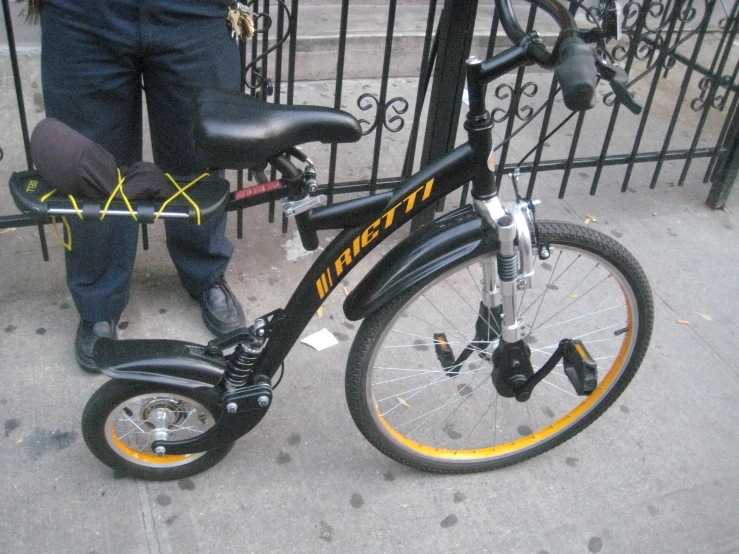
(366, 222)
(377, 219)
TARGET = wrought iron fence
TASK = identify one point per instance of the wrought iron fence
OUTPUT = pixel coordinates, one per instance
(679, 55)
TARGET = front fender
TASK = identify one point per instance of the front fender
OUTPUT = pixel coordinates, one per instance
(169, 362)
(448, 241)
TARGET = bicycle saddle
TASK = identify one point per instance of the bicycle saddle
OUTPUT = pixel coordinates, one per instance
(235, 131)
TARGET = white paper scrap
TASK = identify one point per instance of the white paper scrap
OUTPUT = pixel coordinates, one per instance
(320, 340)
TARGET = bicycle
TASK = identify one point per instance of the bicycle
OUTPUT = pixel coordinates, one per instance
(463, 362)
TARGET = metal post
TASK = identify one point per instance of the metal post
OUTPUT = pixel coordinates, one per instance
(456, 26)
(22, 110)
(727, 167)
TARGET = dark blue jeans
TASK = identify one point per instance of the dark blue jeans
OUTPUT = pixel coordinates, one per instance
(96, 57)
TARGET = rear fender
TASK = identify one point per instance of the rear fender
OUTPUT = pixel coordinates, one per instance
(450, 240)
(168, 362)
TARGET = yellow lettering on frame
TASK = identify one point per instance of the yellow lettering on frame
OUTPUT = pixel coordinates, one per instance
(325, 284)
(319, 286)
(344, 260)
(390, 215)
(410, 200)
(370, 233)
(427, 189)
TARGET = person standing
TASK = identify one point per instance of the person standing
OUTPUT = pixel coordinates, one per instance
(97, 59)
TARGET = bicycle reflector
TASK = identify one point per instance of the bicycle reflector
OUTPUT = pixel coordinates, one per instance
(444, 351)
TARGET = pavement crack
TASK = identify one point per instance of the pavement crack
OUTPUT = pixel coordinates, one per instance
(147, 518)
(734, 371)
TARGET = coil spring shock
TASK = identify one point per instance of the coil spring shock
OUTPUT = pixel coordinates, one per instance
(240, 365)
(507, 266)
(507, 256)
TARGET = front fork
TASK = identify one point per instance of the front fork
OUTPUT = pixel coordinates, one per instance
(511, 270)
(513, 267)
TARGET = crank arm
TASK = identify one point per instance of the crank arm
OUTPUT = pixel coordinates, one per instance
(242, 410)
(524, 393)
(453, 371)
(579, 368)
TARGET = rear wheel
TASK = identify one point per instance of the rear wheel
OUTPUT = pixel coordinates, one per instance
(123, 418)
(408, 404)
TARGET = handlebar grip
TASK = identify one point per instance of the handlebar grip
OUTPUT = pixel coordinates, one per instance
(577, 74)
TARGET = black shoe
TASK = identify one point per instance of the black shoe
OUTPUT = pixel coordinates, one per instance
(222, 312)
(88, 332)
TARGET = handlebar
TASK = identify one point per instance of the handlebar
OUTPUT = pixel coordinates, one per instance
(578, 74)
(573, 60)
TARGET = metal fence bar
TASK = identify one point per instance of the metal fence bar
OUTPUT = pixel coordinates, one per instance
(659, 64)
(337, 94)
(21, 112)
(683, 88)
(575, 135)
(724, 129)
(610, 160)
(542, 136)
(428, 58)
(381, 104)
(278, 81)
(293, 50)
(630, 55)
(723, 179)
(515, 95)
(456, 26)
(722, 54)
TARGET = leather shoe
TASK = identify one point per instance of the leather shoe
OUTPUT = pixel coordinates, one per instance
(222, 312)
(88, 332)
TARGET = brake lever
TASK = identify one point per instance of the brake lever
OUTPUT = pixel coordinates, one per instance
(617, 78)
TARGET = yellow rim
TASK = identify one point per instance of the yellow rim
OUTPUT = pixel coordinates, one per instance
(538, 436)
(147, 457)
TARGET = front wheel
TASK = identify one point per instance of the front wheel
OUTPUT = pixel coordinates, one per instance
(123, 418)
(417, 394)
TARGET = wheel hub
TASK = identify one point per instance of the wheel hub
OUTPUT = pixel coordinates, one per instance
(159, 416)
(511, 367)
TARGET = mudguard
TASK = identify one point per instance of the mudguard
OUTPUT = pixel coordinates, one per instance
(169, 362)
(453, 239)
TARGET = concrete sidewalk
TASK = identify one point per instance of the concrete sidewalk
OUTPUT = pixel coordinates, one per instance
(655, 474)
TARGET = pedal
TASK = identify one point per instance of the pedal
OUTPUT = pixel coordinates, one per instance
(580, 368)
(444, 352)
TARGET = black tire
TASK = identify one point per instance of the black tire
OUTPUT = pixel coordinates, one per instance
(119, 424)
(461, 424)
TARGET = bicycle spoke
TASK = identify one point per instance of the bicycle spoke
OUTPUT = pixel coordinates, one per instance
(579, 318)
(445, 371)
(439, 408)
(436, 398)
(417, 390)
(579, 297)
(433, 341)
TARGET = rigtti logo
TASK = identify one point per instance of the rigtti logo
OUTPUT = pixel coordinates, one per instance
(373, 230)
(32, 184)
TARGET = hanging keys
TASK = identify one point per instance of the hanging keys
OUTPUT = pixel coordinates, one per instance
(240, 21)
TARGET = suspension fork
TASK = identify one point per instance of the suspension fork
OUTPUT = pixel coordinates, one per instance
(512, 268)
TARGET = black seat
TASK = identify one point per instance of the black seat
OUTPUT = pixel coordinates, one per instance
(235, 131)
